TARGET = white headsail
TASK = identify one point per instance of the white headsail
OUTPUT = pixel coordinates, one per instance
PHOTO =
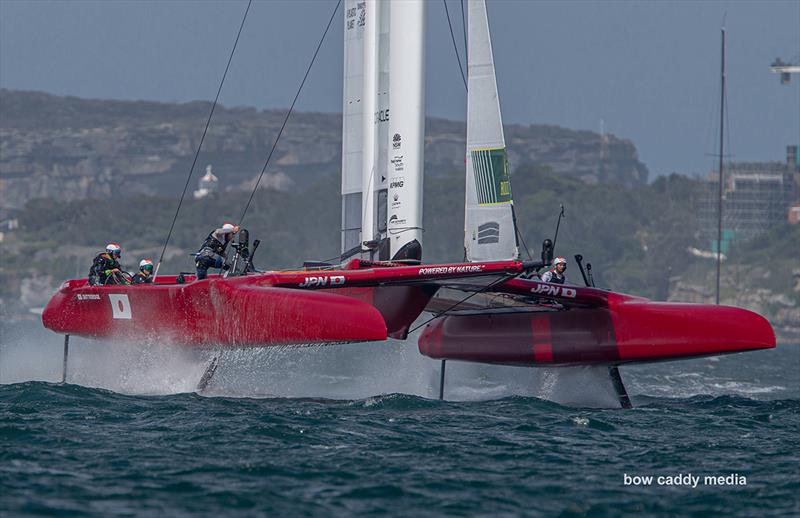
(489, 226)
(406, 136)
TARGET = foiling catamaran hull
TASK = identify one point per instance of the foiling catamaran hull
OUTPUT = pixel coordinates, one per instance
(587, 326)
(364, 301)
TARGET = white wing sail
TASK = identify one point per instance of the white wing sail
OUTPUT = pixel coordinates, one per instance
(365, 122)
(352, 124)
(406, 138)
(489, 227)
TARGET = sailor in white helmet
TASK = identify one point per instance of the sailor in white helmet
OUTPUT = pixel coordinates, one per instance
(212, 252)
(106, 268)
(555, 275)
(145, 273)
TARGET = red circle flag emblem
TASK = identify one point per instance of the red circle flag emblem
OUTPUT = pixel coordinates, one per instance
(120, 306)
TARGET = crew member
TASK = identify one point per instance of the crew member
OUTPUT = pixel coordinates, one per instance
(105, 267)
(212, 253)
(555, 275)
(145, 273)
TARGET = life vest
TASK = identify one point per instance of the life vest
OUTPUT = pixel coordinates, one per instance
(213, 244)
(141, 278)
(554, 278)
(102, 263)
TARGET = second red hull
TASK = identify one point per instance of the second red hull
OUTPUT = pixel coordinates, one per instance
(627, 330)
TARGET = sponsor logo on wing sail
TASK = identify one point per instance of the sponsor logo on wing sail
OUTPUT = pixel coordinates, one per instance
(490, 170)
(489, 233)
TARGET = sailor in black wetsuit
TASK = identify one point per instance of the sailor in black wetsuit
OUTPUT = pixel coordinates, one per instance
(145, 274)
(212, 253)
(555, 275)
(105, 267)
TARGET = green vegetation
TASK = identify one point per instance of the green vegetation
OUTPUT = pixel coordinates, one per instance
(632, 236)
(636, 238)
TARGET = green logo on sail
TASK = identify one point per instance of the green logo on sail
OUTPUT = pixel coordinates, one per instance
(492, 183)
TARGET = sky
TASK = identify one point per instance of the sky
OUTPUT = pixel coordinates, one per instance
(648, 70)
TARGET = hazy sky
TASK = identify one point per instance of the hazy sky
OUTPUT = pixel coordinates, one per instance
(650, 70)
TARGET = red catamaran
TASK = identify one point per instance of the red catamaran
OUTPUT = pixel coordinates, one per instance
(482, 310)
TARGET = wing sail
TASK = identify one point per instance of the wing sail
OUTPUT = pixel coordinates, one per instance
(489, 227)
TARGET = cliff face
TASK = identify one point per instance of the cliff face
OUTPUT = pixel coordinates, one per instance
(67, 148)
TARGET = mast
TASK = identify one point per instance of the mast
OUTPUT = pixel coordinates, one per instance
(352, 124)
(721, 154)
(406, 135)
(369, 135)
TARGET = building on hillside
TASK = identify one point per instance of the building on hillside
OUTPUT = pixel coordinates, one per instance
(794, 214)
(208, 184)
(756, 197)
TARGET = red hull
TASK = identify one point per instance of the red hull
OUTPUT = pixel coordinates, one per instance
(212, 312)
(597, 328)
(362, 302)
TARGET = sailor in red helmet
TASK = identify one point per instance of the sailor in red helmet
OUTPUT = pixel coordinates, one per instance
(555, 275)
(106, 268)
(145, 273)
(212, 252)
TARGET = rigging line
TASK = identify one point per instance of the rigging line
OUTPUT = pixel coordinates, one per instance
(371, 189)
(558, 225)
(289, 112)
(202, 138)
(502, 279)
(728, 126)
(525, 245)
(464, 30)
(455, 46)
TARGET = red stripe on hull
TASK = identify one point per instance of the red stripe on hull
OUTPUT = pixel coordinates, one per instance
(629, 330)
(542, 340)
(523, 338)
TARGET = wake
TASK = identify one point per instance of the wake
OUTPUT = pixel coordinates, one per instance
(346, 372)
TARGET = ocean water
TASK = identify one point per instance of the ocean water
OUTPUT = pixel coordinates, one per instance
(357, 429)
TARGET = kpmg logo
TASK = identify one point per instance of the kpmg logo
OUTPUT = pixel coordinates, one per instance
(489, 233)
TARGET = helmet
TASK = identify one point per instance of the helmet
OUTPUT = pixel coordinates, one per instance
(227, 228)
(114, 249)
(559, 260)
(146, 264)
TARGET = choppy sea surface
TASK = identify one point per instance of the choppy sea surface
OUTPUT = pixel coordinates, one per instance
(358, 429)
